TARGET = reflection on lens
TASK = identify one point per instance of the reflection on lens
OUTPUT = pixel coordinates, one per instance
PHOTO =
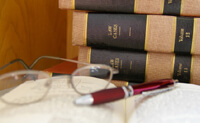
(87, 84)
(90, 79)
(100, 73)
(23, 87)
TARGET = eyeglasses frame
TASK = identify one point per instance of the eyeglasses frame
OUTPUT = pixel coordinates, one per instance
(29, 68)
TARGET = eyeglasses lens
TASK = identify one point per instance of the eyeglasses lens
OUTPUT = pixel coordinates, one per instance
(24, 87)
(90, 79)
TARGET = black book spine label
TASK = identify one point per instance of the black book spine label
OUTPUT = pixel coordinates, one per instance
(172, 7)
(131, 66)
(105, 5)
(182, 68)
(184, 34)
(116, 30)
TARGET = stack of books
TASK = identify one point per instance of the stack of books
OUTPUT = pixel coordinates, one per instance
(144, 39)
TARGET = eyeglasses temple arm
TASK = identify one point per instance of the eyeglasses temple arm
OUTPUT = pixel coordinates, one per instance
(56, 58)
(14, 61)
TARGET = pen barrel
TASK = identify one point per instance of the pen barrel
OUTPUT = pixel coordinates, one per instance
(108, 95)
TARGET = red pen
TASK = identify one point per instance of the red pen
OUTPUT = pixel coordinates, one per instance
(112, 94)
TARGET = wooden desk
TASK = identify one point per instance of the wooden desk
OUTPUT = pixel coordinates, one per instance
(63, 68)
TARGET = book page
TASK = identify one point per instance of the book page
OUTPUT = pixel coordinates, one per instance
(180, 105)
(58, 107)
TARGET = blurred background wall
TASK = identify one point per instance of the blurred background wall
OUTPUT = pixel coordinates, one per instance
(31, 28)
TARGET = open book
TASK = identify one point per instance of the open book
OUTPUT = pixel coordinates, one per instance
(178, 105)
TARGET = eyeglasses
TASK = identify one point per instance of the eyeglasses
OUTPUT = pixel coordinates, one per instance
(82, 80)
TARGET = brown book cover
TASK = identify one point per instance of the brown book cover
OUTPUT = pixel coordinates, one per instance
(145, 66)
(153, 33)
(168, 7)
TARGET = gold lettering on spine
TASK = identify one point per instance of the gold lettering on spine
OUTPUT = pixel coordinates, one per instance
(173, 64)
(194, 36)
(174, 33)
(191, 69)
(187, 34)
(115, 63)
(121, 63)
(147, 32)
(146, 67)
(179, 69)
(89, 55)
(182, 69)
(182, 6)
(109, 30)
(119, 30)
(73, 4)
(115, 28)
(129, 31)
(112, 63)
(85, 34)
(185, 70)
(131, 63)
(162, 6)
(170, 1)
(181, 35)
(114, 31)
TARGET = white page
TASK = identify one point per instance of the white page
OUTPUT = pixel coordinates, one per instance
(58, 107)
(180, 105)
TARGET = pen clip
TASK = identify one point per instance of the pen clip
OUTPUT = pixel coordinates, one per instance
(157, 91)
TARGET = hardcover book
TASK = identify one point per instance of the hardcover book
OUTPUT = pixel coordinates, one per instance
(58, 107)
(152, 33)
(145, 66)
(168, 7)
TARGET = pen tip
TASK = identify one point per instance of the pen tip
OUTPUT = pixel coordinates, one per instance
(84, 100)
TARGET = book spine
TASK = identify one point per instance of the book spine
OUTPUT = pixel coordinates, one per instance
(145, 66)
(120, 83)
(155, 33)
(169, 7)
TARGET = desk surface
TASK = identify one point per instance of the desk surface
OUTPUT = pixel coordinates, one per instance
(64, 67)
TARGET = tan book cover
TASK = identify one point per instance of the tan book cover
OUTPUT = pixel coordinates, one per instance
(153, 33)
(145, 66)
(170, 7)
